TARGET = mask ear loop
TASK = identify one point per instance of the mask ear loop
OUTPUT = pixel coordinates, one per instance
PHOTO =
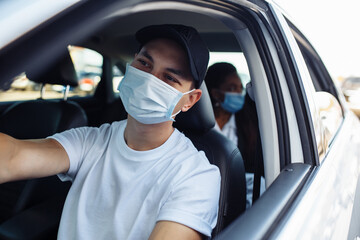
(174, 115)
(189, 91)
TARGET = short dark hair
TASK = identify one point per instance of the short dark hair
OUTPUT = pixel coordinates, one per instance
(216, 75)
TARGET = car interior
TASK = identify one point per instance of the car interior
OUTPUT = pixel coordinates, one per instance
(114, 40)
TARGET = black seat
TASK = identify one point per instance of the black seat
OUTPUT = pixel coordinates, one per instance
(197, 124)
(39, 119)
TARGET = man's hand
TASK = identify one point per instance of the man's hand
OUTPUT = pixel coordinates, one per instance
(24, 159)
(166, 230)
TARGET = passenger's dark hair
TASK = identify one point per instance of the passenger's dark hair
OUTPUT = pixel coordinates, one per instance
(216, 75)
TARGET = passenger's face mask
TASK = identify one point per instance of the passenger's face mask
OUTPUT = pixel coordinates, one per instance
(148, 99)
(233, 102)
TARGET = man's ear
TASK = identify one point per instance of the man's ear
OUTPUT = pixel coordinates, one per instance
(193, 98)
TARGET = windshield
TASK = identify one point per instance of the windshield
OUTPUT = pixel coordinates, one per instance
(20, 16)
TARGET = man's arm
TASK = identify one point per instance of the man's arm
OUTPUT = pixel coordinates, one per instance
(165, 230)
(24, 159)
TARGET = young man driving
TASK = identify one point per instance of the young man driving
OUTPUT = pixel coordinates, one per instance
(139, 178)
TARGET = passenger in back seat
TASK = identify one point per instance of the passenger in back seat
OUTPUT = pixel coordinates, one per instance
(235, 115)
(139, 178)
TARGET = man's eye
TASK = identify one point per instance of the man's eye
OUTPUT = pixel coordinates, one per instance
(170, 78)
(142, 62)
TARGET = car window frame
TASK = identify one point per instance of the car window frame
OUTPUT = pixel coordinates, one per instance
(300, 85)
(258, 222)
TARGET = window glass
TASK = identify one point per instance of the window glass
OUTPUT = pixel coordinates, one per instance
(117, 77)
(326, 99)
(351, 88)
(20, 89)
(88, 67)
(235, 58)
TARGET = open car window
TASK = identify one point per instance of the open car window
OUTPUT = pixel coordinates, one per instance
(327, 98)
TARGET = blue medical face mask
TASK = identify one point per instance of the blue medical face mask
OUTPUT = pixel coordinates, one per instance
(233, 102)
(148, 99)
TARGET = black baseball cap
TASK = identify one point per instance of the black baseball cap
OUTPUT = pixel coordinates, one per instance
(188, 38)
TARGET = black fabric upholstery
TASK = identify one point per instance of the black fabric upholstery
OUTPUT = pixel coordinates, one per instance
(21, 195)
(62, 72)
(33, 120)
(200, 118)
(197, 124)
(41, 118)
(221, 152)
(39, 222)
(114, 111)
(38, 119)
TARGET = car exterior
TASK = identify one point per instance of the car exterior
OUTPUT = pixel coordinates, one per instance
(310, 138)
(351, 89)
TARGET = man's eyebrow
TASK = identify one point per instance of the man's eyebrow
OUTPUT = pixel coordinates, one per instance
(176, 72)
(147, 55)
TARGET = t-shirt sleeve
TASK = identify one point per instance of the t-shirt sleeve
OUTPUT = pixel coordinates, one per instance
(76, 143)
(194, 201)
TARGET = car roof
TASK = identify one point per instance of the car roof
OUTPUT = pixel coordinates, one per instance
(120, 31)
(108, 27)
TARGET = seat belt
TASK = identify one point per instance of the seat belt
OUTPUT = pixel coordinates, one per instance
(258, 165)
(257, 169)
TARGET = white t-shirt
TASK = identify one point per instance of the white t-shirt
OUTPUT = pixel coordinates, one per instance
(229, 129)
(120, 193)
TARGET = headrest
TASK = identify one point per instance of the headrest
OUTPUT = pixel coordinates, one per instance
(62, 72)
(200, 118)
(41, 118)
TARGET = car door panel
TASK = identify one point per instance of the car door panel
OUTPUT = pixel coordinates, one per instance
(329, 200)
(260, 220)
(354, 229)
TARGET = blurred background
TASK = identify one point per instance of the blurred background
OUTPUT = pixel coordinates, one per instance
(332, 27)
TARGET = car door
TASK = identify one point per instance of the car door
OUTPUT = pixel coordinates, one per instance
(334, 193)
(319, 189)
